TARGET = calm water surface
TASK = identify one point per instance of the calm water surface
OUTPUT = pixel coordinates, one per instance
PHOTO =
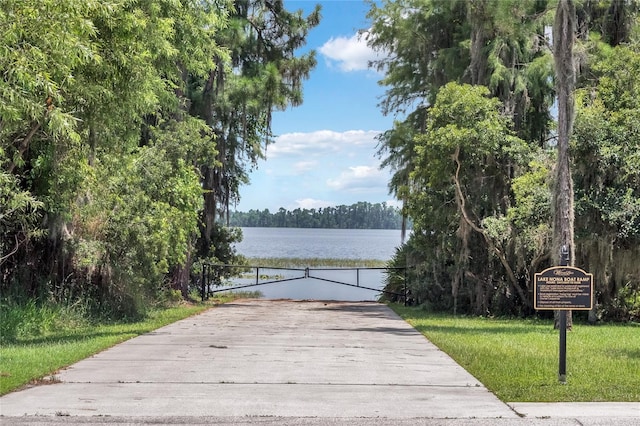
(377, 244)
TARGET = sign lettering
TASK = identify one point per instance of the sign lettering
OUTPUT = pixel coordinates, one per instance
(563, 288)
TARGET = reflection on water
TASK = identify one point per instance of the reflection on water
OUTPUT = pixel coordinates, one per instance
(343, 284)
(310, 289)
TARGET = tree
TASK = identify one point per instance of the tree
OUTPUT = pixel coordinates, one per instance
(475, 42)
(425, 41)
(563, 197)
(607, 178)
(362, 215)
(93, 126)
(406, 30)
(463, 159)
(114, 117)
(236, 99)
(42, 45)
(480, 42)
(563, 40)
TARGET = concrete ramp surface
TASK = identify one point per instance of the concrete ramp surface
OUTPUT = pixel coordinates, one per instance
(265, 358)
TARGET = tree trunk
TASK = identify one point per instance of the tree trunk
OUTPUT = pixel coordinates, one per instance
(463, 230)
(563, 214)
(477, 14)
(181, 275)
(209, 209)
(210, 182)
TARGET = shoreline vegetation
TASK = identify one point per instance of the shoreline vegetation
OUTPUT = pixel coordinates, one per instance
(284, 262)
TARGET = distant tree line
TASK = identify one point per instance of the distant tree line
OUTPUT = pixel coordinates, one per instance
(362, 215)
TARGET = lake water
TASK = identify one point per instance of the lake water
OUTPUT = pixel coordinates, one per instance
(378, 244)
(365, 244)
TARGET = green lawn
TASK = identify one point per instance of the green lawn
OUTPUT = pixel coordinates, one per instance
(518, 359)
(28, 359)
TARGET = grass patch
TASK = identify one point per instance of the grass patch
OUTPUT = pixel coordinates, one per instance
(276, 262)
(35, 358)
(517, 359)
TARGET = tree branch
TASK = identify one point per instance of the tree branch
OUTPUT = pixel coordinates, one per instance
(465, 216)
(24, 145)
(15, 250)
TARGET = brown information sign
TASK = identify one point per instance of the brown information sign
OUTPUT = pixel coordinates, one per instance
(563, 288)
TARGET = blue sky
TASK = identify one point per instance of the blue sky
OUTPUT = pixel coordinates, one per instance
(324, 154)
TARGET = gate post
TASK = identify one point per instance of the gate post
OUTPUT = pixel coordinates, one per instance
(202, 287)
(405, 286)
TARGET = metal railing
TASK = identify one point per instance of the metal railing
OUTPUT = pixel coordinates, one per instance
(213, 275)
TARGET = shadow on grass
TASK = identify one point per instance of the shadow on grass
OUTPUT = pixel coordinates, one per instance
(72, 337)
(624, 353)
(491, 329)
(385, 330)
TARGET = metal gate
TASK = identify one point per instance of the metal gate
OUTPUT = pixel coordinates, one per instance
(218, 277)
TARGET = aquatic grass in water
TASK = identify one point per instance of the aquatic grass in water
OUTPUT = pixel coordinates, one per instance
(247, 269)
(282, 262)
(517, 359)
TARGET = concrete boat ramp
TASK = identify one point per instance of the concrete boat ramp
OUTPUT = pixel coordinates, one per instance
(269, 362)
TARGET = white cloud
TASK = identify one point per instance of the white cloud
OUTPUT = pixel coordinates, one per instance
(310, 203)
(321, 142)
(304, 166)
(359, 179)
(350, 54)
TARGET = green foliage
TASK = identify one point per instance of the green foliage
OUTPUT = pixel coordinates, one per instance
(362, 215)
(529, 215)
(532, 194)
(607, 156)
(462, 166)
(110, 126)
(456, 155)
(29, 320)
(470, 163)
(463, 119)
(19, 216)
(41, 45)
(607, 176)
(154, 206)
(408, 29)
(422, 278)
(262, 73)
